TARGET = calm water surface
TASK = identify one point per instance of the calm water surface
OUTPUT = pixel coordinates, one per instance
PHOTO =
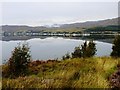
(51, 48)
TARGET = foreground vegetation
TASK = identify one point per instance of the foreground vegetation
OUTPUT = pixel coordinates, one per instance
(91, 72)
(78, 70)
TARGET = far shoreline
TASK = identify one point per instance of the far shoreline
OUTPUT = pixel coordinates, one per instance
(12, 38)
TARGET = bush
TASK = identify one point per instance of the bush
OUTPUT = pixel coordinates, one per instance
(91, 48)
(86, 50)
(116, 47)
(18, 63)
(76, 53)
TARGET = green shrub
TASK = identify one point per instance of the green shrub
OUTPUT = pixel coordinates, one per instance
(76, 53)
(86, 50)
(116, 47)
(18, 62)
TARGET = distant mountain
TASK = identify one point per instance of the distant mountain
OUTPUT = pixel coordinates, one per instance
(88, 24)
(13, 28)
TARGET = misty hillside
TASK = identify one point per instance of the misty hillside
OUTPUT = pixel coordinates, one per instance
(88, 24)
(13, 28)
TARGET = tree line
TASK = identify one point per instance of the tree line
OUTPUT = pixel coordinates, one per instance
(88, 49)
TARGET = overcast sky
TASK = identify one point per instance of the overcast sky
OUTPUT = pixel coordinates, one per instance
(47, 13)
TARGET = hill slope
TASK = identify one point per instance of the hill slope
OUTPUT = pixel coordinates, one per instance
(72, 73)
(88, 24)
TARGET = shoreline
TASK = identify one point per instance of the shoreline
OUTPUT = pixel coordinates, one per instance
(12, 38)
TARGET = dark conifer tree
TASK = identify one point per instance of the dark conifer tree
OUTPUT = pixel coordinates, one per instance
(86, 50)
(76, 53)
(116, 47)
(18, 63)
(91, 49)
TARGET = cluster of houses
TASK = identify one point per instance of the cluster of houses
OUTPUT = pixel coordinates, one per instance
(63, 34)
(39, 33)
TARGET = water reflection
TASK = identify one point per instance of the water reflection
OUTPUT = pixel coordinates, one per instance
(51, 48)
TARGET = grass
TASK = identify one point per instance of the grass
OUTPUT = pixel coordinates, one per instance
(71, 73)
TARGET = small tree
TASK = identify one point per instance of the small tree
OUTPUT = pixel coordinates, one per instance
(116, 47)
(88, 50)
(91, 49)
(18, 63)
(84, 49)
(76, 53)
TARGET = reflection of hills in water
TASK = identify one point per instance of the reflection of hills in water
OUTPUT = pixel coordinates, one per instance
(103, 38)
